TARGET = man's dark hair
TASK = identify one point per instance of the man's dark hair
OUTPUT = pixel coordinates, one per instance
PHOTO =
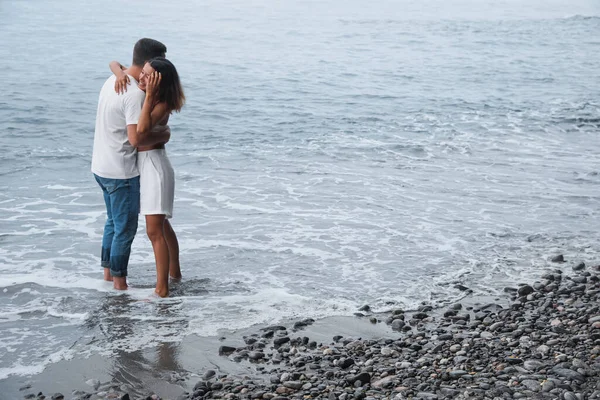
(146, 49)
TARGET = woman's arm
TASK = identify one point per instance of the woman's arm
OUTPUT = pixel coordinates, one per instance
(122, 78)
(149, 118)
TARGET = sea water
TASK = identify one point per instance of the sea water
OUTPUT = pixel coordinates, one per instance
(331, 154)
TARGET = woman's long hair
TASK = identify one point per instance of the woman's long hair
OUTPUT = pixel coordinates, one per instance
(170, 90)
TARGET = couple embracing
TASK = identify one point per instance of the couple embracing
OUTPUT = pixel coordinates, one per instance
(130, 164)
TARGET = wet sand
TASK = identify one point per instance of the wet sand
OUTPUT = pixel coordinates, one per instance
(171, 369)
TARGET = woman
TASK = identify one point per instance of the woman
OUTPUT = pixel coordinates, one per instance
(164, 95)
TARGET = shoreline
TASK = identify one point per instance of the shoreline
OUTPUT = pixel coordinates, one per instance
(539, 341)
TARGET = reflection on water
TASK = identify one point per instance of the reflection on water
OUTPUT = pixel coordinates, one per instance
(138, 368)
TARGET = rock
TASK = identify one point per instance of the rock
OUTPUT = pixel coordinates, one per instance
(426, 395)
(457, 373)
(495, 326)
(543, 349)
(570, 396)
(363, 377)
(296, 385)
(345, 363)
(569, 374)
(384, 382)
(208, 374)
(226, 350)
(532, 365)
(280, 341)
(303, 323)
(532, 385)
(579, 267)
(256, 355)
(525, 290)
(486, 335)
(386, 351)
(455, 347)
(58, 396)
(398, 324)
(558, 259)
(365, 308)
(547, 386)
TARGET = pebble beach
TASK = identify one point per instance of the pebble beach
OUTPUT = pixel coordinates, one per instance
(541, 342)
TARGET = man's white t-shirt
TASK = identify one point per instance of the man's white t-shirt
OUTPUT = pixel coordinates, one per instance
(113, 156)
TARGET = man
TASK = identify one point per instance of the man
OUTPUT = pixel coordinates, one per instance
(114, 162)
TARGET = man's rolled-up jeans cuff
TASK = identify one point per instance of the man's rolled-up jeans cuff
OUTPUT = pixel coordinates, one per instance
(105, 258)
(118, 265)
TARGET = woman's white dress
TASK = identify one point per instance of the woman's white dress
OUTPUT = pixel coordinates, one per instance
(157, 181)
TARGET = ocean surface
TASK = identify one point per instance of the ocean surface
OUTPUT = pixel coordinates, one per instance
(331, 154)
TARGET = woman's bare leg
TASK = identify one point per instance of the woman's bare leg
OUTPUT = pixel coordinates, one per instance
(155, 228)
(174, 268)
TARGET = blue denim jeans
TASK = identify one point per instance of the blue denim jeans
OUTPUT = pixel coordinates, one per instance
(122, 199)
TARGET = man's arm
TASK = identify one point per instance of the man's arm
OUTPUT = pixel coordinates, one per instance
(146, 139)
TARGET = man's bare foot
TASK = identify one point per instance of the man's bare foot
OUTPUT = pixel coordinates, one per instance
(120, 282)
(162, 292)
(107, 276)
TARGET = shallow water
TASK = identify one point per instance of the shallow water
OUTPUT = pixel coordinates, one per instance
(330, 155)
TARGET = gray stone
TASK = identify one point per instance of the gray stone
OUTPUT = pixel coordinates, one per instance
(457, 373)
(569, 374)
(296, 385)
(363, 377)
(579, 267)
(532, 385)
(525, 290)
(532, 365)
(208, 374)
(226, 350)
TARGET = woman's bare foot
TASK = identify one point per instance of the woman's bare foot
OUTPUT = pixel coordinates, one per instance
(120, 282)
(107, 276)
(175, 277)
(162, 292)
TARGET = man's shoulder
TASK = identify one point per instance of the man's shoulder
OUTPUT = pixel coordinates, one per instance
(133, 90)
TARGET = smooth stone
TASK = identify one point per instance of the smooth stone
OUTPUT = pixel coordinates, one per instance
(547, 386)
(363, 377)
(457, 373)
(569, 374)
(208, 374)
(486, 335)
(579, 267)
(426, 395)
(570, 396)
(296, 385)
(281, 340)
(532, 365)
(525, 290)
(226, 350)
(384, 382)
(345, 363)
(495, 326)
(543, 349)
(532, 385)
